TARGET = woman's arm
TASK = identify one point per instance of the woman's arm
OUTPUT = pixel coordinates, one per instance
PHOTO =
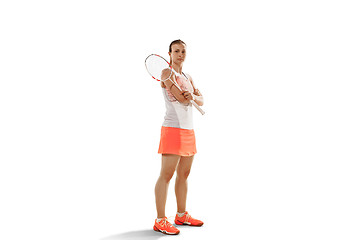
(178, 93)
(198, 97)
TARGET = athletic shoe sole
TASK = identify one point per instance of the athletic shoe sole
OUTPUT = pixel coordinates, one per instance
(165, 232)
(177, 222)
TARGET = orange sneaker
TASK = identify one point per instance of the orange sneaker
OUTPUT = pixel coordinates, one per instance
(186, 219)
(165, 227)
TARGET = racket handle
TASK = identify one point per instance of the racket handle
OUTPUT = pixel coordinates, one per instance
(197, 107)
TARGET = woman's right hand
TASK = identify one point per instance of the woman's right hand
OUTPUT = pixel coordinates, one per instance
(188, 95)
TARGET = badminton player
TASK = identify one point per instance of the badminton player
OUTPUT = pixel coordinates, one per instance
(177, 142)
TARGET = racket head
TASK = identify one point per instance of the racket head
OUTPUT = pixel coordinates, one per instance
(158, 67)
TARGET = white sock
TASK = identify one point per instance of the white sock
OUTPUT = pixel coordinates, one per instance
(158, 219)
(181, 214)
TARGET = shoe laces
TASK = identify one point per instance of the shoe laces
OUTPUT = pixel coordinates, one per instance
(166, 222)
(188, 217)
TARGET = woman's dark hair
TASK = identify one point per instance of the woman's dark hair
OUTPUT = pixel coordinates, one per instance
(175, 42)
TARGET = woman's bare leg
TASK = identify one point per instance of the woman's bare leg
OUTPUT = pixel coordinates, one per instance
(168, 167)
(181, 187)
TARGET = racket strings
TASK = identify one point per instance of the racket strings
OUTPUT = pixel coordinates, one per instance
(158, 67)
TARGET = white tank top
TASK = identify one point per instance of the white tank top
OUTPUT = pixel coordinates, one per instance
(178, 115)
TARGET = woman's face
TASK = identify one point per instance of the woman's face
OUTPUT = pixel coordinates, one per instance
(178, 53)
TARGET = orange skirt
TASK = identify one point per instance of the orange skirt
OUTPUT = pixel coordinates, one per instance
(177, 141)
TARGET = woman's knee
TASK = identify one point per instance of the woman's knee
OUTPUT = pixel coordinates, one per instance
(183, 174)
(166, 176)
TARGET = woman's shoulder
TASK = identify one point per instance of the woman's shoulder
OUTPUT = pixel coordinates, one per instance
(188, 76)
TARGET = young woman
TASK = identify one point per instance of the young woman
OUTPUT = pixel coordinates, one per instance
(177, 142)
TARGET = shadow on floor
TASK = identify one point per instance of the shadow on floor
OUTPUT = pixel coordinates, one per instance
(136, 235)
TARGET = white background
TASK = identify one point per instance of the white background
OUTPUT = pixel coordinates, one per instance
(278, 149)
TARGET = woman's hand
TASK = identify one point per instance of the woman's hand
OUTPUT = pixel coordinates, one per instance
(197, 92)
(188, 95)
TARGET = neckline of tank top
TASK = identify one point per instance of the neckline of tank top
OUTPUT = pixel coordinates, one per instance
(182, 73)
